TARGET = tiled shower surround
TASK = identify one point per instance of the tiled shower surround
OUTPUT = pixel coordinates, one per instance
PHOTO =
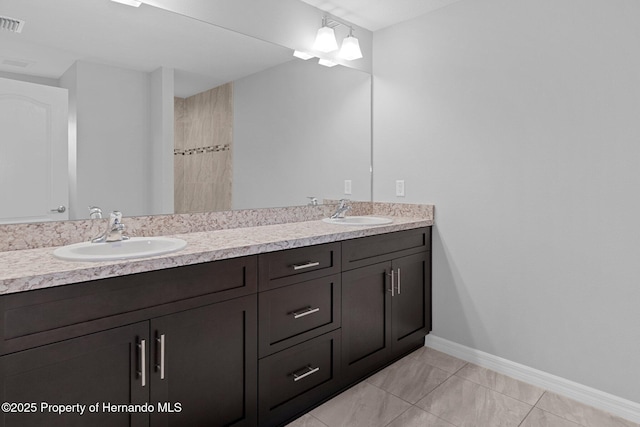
(47, 234)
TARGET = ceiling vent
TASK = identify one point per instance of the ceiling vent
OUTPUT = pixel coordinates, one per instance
(11, 24)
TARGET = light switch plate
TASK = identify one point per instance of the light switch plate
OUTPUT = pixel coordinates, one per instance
(400, 188)
(347, 186)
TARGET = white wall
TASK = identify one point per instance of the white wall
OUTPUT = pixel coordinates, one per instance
(519, 121)
(113, 139)
(277, 129)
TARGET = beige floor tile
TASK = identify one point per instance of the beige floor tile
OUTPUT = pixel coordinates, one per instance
(439, 360)
(416, 417)
(501, 383)
(409, 378)
(362, 405)
(467, 404)
(307, 421)
(580, 413)
(539, 418)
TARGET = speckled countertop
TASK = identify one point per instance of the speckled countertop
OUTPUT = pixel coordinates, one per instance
(29, 269)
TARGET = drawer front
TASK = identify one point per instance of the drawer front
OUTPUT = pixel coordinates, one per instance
(294, 379)
(292, 314)
(384, 247)
(287, 267)
(47, 315)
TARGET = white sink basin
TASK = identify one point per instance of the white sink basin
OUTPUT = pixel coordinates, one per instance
(359, 220)
(136, 247)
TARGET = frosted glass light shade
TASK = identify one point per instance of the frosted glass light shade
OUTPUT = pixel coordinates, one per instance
(350, 49)
(325, 40)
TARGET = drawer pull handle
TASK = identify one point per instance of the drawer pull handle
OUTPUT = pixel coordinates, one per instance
(308, 371)
(142, 348)
(305, 312)
(398, 280)
(392, 290)
(306, 265)
(160, 342)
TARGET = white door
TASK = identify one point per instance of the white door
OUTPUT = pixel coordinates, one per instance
(33, 152)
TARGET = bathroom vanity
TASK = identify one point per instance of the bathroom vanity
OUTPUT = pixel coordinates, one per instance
(244, 341)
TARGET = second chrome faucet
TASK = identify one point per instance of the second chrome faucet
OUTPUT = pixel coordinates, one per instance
(114, 231)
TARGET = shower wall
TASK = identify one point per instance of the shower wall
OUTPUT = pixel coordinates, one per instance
(203, 151)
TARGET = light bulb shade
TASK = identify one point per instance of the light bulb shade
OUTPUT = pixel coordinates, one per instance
(325, 40)
(350, 49)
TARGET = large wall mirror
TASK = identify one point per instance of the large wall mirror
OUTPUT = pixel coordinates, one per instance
(169, 114)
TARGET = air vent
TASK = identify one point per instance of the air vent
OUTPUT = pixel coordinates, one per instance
(11, 24)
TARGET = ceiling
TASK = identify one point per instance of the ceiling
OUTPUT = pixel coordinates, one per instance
(58, 33)
(377, 14)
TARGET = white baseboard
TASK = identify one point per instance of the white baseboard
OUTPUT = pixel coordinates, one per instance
(590, 396)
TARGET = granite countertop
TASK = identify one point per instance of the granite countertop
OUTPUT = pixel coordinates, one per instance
(29, 269)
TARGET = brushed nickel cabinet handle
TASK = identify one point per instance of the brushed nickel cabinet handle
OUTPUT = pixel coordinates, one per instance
(60, 209)
(142, 349)
(398, 280)
(392, 284)
(304, 312)
(160, 366)
(305, 265)
(307, 371)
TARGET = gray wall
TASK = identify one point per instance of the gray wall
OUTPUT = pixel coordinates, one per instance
(519, 121)
(301, 129)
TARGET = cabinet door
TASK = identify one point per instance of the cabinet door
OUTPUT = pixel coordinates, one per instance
(206, 374)
(100, 368)
(411, 303)
(366, 320)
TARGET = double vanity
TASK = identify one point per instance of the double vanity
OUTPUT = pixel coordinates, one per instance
(244, 327)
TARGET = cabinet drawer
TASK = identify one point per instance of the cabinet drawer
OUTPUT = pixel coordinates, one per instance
(47, 315)
(295, 265)
(296, 378)
(292, 314)
(384, 247)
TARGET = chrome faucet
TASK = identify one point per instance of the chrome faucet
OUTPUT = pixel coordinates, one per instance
(343, 207)
(114, 230)
(95, 212)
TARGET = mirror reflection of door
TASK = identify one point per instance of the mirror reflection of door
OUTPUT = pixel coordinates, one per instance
(33, 152)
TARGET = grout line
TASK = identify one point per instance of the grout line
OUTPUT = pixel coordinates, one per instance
(399, 415)
(532, 408)
(498, 391)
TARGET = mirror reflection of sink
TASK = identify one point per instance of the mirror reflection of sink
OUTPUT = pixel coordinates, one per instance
(135, 247)
(358, 220)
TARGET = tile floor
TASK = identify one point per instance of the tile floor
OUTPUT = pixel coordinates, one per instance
(432, 389)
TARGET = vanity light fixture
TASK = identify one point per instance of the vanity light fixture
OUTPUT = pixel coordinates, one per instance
(326, 40)
(134, 3)
(350, 49)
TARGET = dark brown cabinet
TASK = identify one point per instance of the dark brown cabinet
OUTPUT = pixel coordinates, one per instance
(190, 355)
(105, 367)
(203, 360)
(250, 341)
(386, 306)
(299, 336)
